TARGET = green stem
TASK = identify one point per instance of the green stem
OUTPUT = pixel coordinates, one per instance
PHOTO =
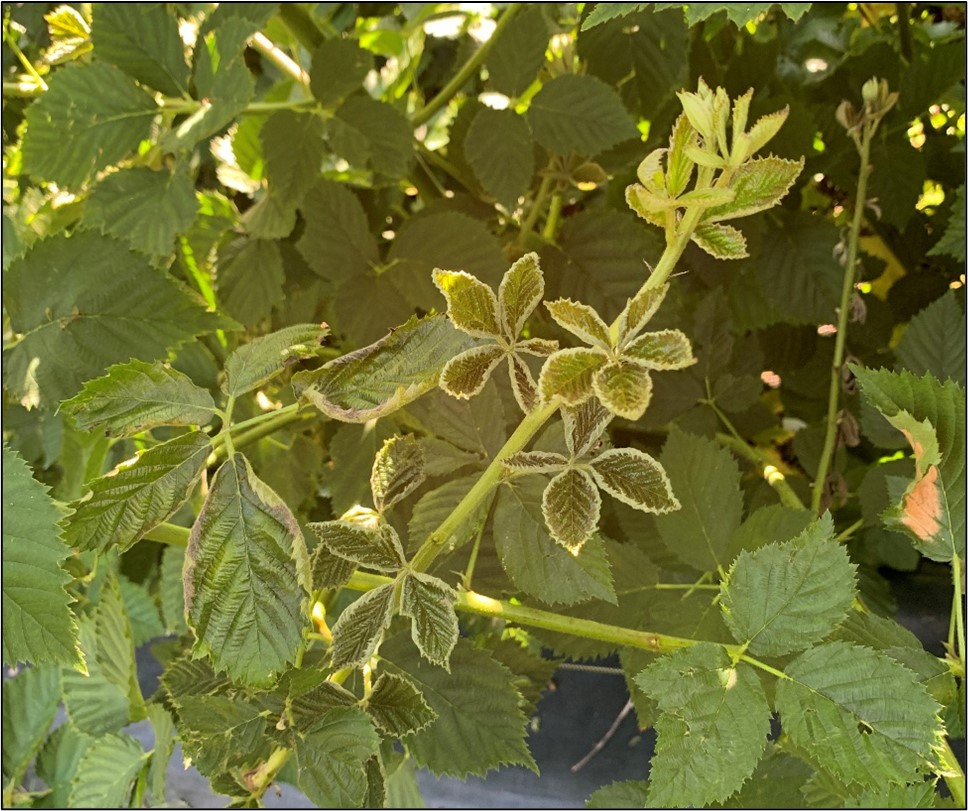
(257, 780)
(536, 208)
(554, 216)
(265, 46)
(847, 533)
(763, 666)
(301, 24)
(904, 29)
(28, 65)
(768, 470)
(464, 75)
(830, 436)
(268, 427)
(469, 572)
(227, 428)
(957, 607)
(170, 534)
(683, 587)
(954, 776)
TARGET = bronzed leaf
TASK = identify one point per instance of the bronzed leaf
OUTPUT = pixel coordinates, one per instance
(624, 387)
(567, 374)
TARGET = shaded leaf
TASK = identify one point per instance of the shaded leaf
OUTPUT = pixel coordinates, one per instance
(639, 311)
(30, 701)
(624, 793)
(584, 425)
(171, 590)
(429, 602)
(523, 387)
(136, 396)
(499, 149)
(952, 242)
(38, 625)
(713, 728)
(602, 13)
(858, 714)
(433, 507)
(336, 241)
(784, 597)
(379, 129)
(634, 478)
(57, 762)
(375, 547)
(360, 627)
(293, 146)
(106, 773)
(142, 611)
(124, 505)
(397, 471)
(514, 61)
(775, 522)
(535, 462)
(339, 67)
(933, 341)
(250, 279)
(397, 707)
(665, 350)
(380, 378)
(259, 360)
(91, 116)
(571, 506)
(246, 577)
(329, 571)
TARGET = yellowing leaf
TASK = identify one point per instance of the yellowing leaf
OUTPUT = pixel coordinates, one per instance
(521, 289)
(471, 304)
(639, 311)
(759, 184)
(720, 241)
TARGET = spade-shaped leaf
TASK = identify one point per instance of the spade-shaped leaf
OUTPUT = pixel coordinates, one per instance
(429, 602)
(571, 505)
(632, 476)
(397, 706)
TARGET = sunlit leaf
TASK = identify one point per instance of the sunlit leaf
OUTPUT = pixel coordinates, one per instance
(581, 320)
(471, 304)
(465, 375)
(397, 471)
(259, 360)
(521, 289)
(374, 547)
(429, 602)
(720, 241)
(567, 374)
(759, 184)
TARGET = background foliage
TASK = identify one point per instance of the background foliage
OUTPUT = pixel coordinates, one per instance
(190, 191)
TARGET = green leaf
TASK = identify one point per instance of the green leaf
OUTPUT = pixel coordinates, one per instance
(124, 505)
(582, 114)
(374, 547)
(624, 387)
(144, 42)
(311, 695)
(339, 67)
(567, 374)
(397, 707)
(380, 130)
(429, 602)
(163, 727)
(360, 627)
(775, 522)
(517, 56)
(720, 241)
(602, 13)
(624, 793)
(74, 306)
(785, 596)
(250, 279)
(759, 184)
(30, 702)
(171, 590)
(106, 773)
(639, 311)
(258, 361)
(91, 117)
(137, 396)
(398, 470)
(480, 725)
(271, 218)
(635, 478)
(332, 755)
(380, 378)
(705, 479)
(521, 289)
(499, 148)
(917, 795)
(584, 425)
(148, 209)
(38, 625)
(580, 320)
(858, 714)
(952, 242)
(293, 147)
(713, 728)
(466, 374)
(328, 570)
(666, 350)
(571, 506)
(536, 563)
(57, 762)
(471, 304)
(932, 417)
(933, 341)
(246, 577)
(142, 611)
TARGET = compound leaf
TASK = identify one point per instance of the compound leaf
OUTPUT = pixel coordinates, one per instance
(38, 625)
(635, 478)
(571, 506)
(429, 602)
(107, 771)
(480, 725)
(360, 627)
(785, 596)
(74, 307)
(858, 714)
(397, 707)
(136, 396)
(378, 379)
(331, 758)
(374, 547)
(246, 577)
(123, 506)
(91, 116)
(705, 479)
(398, 470)
(580, 114)
(713, 728)
(257, 362)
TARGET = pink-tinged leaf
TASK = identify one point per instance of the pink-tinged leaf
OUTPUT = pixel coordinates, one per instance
(639, 311)
(584, 424)
(759, 184)
(665, 350)
(471, 304)
(635, 478)
(535, 462)
(524, 388)
(571, 506)
(465, 375)
(521, 289)
(720, 241)
(580, 320)
(568, 374)
(624, 388)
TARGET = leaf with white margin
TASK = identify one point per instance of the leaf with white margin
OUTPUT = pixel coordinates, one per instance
(429, 602)
(624, 388)
(465, 375)
(635, 478)
(535, 462)
(567, 374)
(584, 424)
(523, 387)
(360, 627)
(721, 241)
(521, 289)
(580, 320)
(571, 505)
(471, 304)
(759, 184)
(666, 350)
(398, 470)
(397, 706)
